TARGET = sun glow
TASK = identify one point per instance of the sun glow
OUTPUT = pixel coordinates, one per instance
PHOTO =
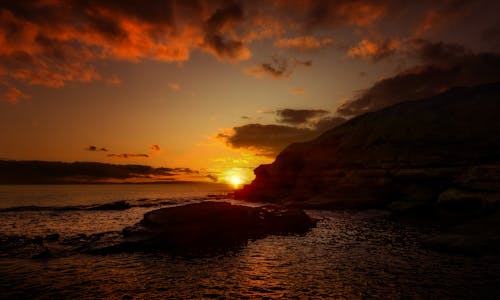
(236, 177)
(235, 181)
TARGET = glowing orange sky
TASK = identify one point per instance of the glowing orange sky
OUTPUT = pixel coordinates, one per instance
(190, 76)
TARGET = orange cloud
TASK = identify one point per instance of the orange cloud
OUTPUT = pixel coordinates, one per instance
(174, 86)
(10, 94)
(52, 43)
(365, 48)
(368, 49)
(303, 43)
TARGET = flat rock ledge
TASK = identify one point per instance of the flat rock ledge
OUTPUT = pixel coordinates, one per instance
(212, 224)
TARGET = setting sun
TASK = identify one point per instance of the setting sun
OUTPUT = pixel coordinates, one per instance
(235, 180)
(236, 177)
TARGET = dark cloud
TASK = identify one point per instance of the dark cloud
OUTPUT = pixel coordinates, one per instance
(444, 66)
(444, 13)
(213, 178)
(439, 53)
(154, 150)
(270, 139)
(129, 155)
(94, 148)
(225, 47)
(278, 68)
(182, 170)
(265, 140)
(32, 172)
(328, 14)
(299, 116)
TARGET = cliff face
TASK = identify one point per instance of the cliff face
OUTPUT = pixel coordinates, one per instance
(442, 151)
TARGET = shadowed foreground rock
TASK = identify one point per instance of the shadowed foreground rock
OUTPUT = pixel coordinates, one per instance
(213, 225)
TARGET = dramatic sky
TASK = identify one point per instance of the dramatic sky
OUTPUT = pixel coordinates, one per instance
(220, 87)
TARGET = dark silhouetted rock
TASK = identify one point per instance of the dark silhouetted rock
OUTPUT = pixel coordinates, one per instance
(437, 158)
(411, 152)
(213, 224)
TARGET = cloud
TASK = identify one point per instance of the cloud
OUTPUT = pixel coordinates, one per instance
(376, 51)
(54, 42)
(444, 13)
(269, 139)
(298, 91)
(94, 148)
(154, 150)
(443, 66)
(213, 178)
(303, 43)
(114, 80)
(174, 86)
(438, 53)
(129, 155)
(84, 172)
(10, 94)
(266, 140)
(224, 46)
(278, 68)
(299, 116)
(323, 14)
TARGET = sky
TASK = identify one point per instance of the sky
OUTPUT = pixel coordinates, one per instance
(220, 87)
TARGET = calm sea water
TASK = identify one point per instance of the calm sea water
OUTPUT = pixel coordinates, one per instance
(348, 255)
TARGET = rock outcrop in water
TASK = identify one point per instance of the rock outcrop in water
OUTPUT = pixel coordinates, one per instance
(442, 151)
(213, 224)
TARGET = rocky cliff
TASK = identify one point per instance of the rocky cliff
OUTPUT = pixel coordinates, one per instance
(442, 152)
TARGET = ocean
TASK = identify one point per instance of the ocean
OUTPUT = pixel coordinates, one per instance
(352, 255)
